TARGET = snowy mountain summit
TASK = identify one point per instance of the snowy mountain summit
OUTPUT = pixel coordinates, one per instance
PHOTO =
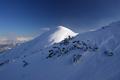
(60, 34)
(54, 35)
(61, 55)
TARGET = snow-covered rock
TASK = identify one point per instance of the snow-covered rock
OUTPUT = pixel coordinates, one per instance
(54, 35)
(92, 55)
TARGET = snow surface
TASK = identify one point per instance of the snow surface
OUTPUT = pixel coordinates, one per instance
(60, 34)
(84, 56)
(52, 36)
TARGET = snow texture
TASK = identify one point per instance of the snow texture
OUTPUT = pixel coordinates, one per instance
(61, 54)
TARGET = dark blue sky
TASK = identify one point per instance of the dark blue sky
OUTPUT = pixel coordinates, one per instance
(27, 17)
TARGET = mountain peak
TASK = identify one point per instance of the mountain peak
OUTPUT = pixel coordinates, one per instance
(87, 54)
(61, 27)
(54, 35)
(60, 34)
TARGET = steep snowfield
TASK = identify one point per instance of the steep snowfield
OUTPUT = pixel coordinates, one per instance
(54, 35)
(92, 55)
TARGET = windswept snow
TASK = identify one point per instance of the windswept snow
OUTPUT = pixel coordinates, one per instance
(92, 55)
(54, 35)
(60, 34)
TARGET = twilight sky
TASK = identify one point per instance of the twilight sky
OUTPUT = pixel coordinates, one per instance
(29, 17)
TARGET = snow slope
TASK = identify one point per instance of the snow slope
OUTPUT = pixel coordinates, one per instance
(54, 35)
(92, 55)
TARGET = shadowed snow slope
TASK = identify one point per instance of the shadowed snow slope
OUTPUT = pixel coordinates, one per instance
(92, 55)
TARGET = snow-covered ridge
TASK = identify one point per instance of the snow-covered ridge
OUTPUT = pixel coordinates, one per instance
(60, 34)
(54, 35)
(92, 55)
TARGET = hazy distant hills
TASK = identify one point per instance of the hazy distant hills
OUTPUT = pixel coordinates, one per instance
(6, 44)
